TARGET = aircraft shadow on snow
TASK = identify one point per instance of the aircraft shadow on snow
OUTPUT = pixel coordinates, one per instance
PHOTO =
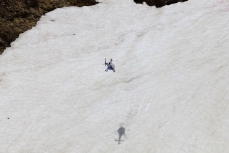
(121, 132)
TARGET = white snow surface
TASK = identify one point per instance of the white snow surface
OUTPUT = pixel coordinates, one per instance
(169, 91)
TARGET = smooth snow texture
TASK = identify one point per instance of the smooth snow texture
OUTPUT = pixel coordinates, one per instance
(169, 91)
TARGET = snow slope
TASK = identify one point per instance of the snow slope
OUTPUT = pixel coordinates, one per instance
(170, 89)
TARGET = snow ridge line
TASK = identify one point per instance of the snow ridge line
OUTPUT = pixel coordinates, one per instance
(140, 107)
(151, 99)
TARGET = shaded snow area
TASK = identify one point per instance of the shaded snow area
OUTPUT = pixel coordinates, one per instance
(169, 91)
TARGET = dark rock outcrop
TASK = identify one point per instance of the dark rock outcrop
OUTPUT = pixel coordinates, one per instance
(17, 16)
(158, 3)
